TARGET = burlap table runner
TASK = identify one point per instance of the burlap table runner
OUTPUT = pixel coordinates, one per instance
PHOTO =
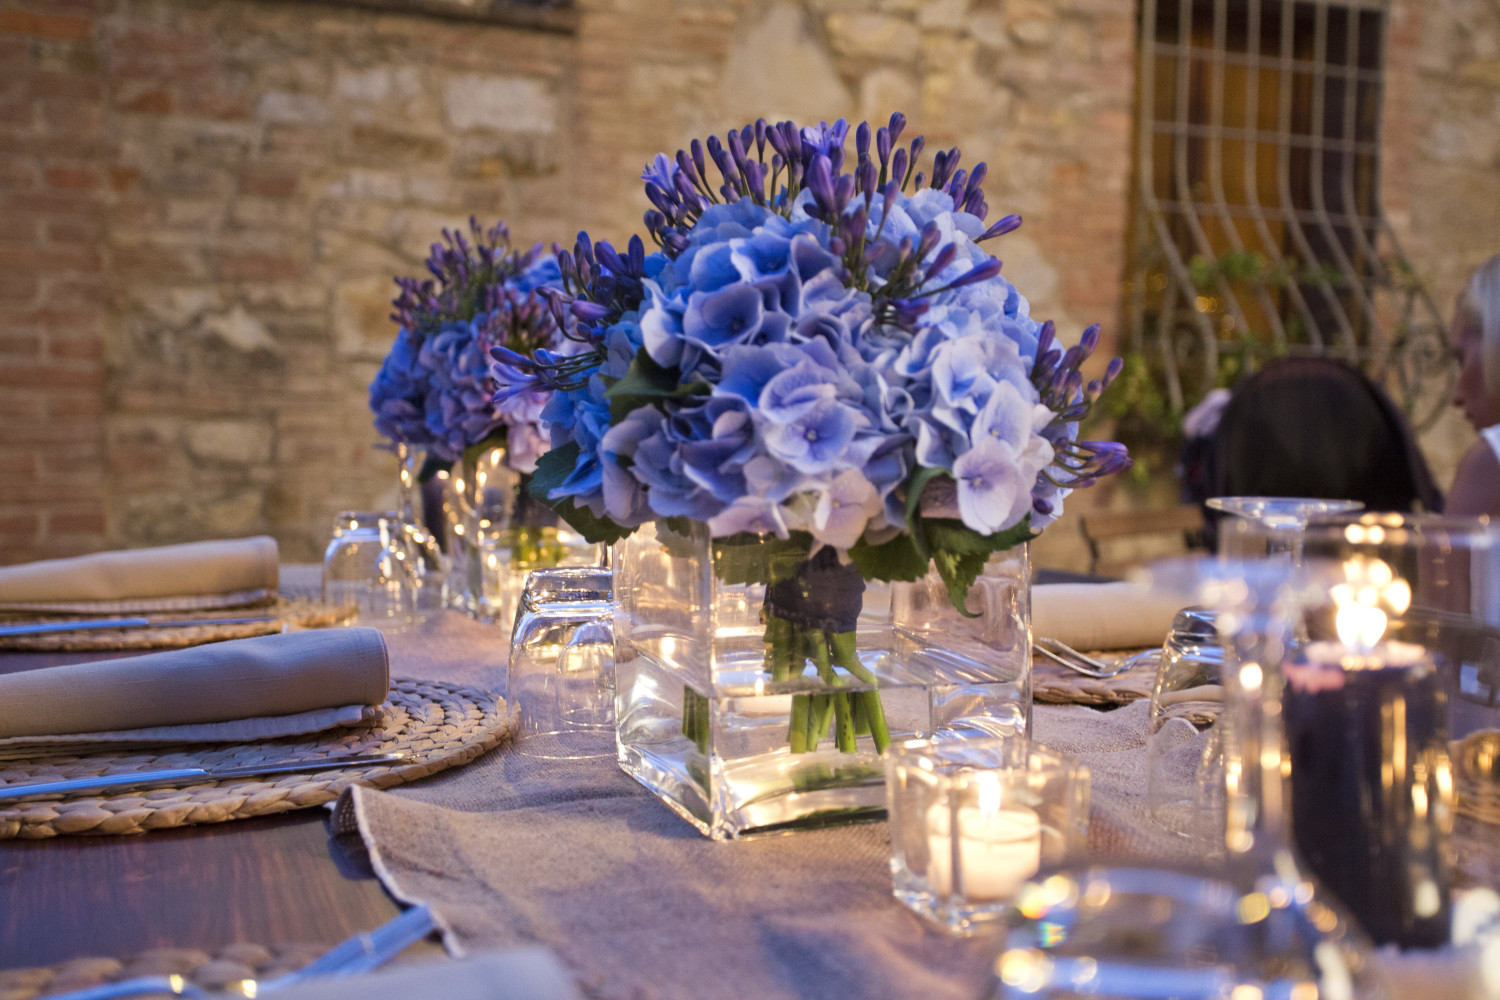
(577, 857)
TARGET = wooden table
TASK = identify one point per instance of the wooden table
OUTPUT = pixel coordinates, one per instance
(276, 880)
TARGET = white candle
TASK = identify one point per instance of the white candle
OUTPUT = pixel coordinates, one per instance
(998, 850)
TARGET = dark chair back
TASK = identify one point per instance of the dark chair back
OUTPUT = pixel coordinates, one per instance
(1316, 427)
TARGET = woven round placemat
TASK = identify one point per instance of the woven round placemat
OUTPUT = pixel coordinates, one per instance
(1057, 685)
(210, 970)
(283, 611)
(440, 725)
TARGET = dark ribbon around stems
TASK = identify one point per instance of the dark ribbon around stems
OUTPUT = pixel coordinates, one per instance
(813, 615)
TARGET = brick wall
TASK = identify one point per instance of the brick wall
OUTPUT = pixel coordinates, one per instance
(203, 203)
(53, 186)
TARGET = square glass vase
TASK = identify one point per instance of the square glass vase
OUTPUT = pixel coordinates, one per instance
(747, 717)
(497, 535)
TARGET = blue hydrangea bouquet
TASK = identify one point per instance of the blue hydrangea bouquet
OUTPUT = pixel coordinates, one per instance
(434, 396)
(821, 354)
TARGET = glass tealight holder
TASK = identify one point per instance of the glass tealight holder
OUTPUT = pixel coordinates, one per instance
(973, 820)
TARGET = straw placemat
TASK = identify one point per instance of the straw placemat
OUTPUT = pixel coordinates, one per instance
(1057, 685)
(282, 611)
(210, 970)
(440, 725)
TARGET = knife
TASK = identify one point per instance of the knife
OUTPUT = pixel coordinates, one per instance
(39, 628)
(193, 775)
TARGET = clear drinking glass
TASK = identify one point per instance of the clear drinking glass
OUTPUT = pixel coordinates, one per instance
(1151, 933)
(1184, 754)
(562, 664)
(368, 564)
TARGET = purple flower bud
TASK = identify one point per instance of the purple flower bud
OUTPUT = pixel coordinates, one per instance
(663, 203)
(1089, 340)
(883, 142)
(897, 126)
(820, 183)
(1116, 365)
(755, 179)
(918, 181)
(589, 312)
(867, 180)
(843, 190)
(976, 179)
(506, 356)
(737, 150)
(929, 240)
(609, 258)
(760, 137)
(777, 139)
(696, 148)
(983, 272)
(862, 140)
(1044, 338)
(956, 185)
(1006, 224)
(940, 262)
(898, 167)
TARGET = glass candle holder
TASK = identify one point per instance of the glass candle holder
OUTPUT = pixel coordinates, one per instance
(973, 820)
(1342, 716)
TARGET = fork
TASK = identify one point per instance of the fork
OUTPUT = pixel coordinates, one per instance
(1064, 655)
(360, 953)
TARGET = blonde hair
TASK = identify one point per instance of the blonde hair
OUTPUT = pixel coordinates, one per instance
(1479, 304)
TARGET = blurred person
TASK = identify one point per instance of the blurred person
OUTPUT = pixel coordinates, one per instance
(1475, 335)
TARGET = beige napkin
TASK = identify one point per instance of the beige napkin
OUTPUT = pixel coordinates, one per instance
(1102, 615)
(196, 574)
(518, 974)
(241, 689)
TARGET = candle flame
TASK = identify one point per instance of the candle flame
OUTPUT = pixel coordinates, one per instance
(987, 786)
(1364, 603)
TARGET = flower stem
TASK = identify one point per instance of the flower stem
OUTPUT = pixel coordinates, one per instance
(847, 656)
(797, 730)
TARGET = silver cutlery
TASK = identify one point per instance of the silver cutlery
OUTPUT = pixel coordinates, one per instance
(1064, 655)
(360, 953)
(184, 775)
(41, 628)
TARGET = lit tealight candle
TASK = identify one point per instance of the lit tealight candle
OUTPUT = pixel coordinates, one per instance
(998, 849)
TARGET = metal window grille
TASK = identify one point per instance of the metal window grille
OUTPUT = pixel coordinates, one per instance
(1256, 229)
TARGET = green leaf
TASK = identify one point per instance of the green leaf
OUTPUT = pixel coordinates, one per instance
(959, 552)
(551, 469)
(914, 487)
(647, 383)
(595, 530)
(959, 571)
(748, 558)
(897, 559)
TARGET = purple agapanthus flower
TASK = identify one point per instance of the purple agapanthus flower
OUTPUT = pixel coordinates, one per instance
(434, 390)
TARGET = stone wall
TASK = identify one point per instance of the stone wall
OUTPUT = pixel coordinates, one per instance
(201, 204)
(1441, 167)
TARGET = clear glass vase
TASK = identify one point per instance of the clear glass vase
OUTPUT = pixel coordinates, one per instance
(758, 684)
(497, 534)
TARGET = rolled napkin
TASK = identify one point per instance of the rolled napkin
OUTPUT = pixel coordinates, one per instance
(248, 685)
(1103, 615)
(196, 574)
